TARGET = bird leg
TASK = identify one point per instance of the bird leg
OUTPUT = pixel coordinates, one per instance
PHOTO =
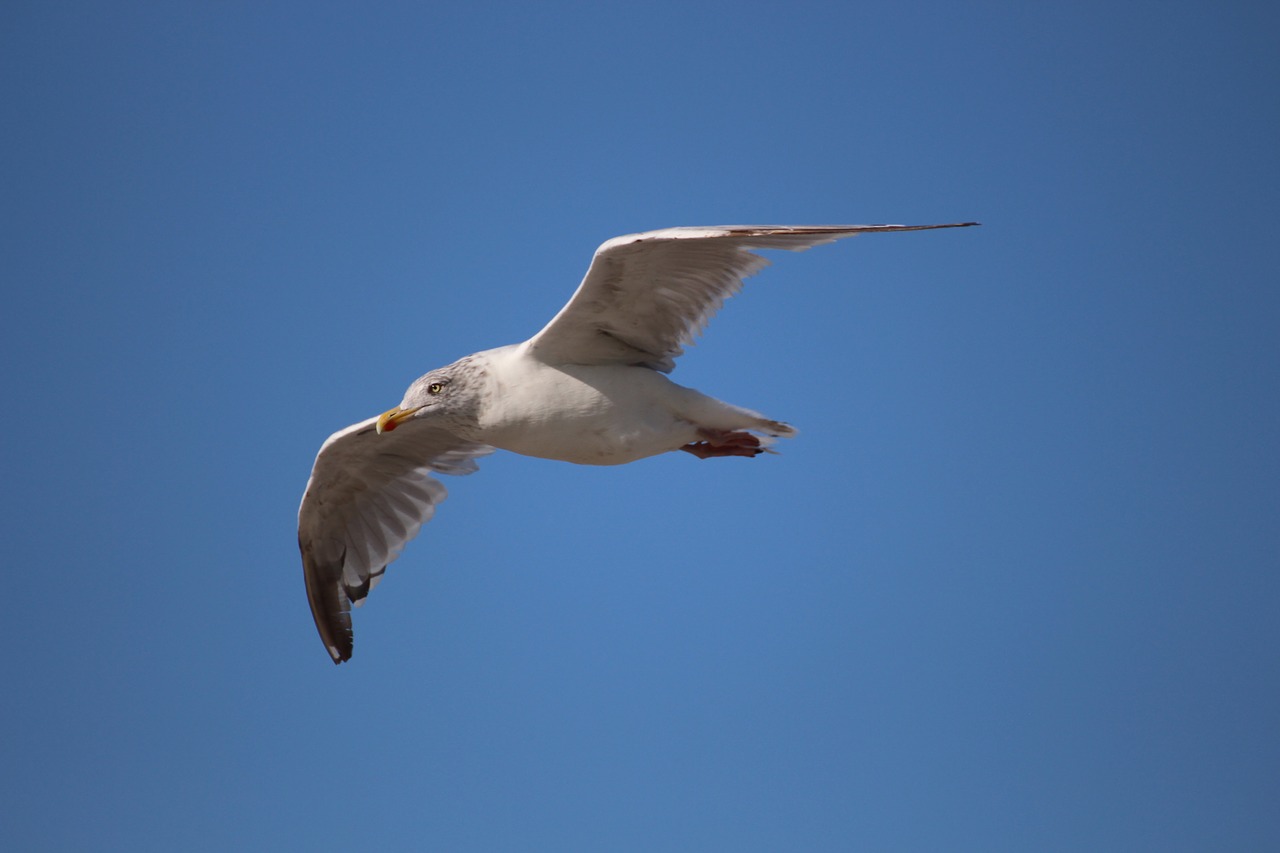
(724, 443)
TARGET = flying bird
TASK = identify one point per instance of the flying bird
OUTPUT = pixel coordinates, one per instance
(589, 388)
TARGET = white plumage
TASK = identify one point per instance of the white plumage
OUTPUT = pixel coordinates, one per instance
(588, 388)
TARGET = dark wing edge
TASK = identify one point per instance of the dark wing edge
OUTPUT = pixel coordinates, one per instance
(330, 606)
(367, 497)
(646, 296)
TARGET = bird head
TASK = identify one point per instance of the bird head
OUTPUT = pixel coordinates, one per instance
(436, 394)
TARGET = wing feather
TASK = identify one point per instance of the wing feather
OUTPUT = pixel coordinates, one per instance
(647, 296)
(369, 495)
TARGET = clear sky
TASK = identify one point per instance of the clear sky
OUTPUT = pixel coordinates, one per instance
(1015, 586)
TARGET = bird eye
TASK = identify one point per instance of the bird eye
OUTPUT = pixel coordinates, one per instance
(435, 388)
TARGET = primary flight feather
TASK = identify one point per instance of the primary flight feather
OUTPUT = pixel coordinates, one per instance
(590, 388)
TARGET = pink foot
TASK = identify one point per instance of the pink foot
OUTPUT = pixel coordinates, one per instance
(721, 443)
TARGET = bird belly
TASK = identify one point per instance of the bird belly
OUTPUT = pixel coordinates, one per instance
(588, 415)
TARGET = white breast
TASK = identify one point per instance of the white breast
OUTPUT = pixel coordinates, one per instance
(592, 415)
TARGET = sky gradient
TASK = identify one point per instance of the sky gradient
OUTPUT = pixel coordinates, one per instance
(1013, 587)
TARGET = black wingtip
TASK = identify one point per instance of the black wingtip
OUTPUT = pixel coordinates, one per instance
(872, 228)
(330, 607)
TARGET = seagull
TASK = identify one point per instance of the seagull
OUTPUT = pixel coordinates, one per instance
(590, 388)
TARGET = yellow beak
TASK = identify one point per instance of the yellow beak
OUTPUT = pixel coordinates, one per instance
(387, 421)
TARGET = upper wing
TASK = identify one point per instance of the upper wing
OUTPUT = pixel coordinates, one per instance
(367, 497)
(647, 295)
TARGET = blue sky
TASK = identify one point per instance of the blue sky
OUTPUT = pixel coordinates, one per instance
(1014, 586)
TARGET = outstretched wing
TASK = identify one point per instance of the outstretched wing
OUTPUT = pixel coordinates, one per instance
(648, 295)
(367, 497)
